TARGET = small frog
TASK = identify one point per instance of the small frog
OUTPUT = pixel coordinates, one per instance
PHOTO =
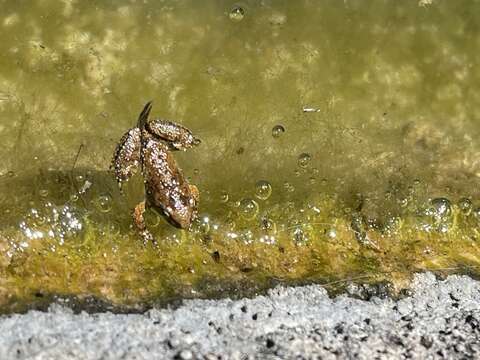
(149, 146)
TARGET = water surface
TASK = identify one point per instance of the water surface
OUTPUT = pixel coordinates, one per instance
(362, 117)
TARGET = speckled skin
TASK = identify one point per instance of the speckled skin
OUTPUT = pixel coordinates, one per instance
(149, 145)
(166, 187)
(176, 136)
(127, 155)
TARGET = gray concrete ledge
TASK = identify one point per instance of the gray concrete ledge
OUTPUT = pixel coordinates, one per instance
(440, 320)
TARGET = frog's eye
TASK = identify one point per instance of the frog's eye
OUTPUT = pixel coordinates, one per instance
(178, 146)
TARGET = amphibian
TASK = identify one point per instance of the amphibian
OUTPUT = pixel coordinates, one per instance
(149, 146)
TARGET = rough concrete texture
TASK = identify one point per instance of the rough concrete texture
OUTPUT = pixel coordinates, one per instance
(441, 319)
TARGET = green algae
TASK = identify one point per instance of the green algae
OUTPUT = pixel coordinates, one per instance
(379, 107)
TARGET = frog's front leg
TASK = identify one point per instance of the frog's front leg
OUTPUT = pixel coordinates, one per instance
(140, 224)
(175, 135)
(126, 159)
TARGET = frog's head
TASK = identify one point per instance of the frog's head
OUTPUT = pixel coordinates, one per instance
(186, 141)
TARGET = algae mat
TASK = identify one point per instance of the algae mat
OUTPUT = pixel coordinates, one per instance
(339, 143)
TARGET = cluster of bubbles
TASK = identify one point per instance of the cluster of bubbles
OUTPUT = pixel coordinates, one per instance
(288, 187)
(438, 215)
(54, 222)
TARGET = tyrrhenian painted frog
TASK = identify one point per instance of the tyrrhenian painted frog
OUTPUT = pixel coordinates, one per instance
(149, 146)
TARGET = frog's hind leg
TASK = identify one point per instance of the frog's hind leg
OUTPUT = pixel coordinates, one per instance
(140, 224)
(195, 198)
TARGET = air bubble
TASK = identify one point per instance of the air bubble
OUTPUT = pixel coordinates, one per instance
(263, 189)
(34, 218)
(443, 227)
(441, 208)
(331, 233)
(277, 131)
(268, 239)
(246, 236)
(113, 229)
(224, 197)
(465, 206)
(304, 159)
(43, 192)
(403, 202)
(155, 221)
(104, 203)
(204, 224)
(476, 214)
(392, 225)
(237, 13)
(288, 187)
(268, 225)
(300, 235)
(248, 208)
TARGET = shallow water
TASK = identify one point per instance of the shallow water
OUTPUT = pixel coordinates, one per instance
(357, 114)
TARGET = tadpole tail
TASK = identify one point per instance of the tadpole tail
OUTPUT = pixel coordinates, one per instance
(142, 119)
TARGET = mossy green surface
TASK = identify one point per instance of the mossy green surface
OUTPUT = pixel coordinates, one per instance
(374, 177)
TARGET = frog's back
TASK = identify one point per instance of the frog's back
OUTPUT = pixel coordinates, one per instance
(166, 188)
